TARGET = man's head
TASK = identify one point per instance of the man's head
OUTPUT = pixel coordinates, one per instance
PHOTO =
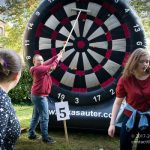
(38, 60)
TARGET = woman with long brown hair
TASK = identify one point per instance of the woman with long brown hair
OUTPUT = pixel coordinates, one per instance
(134, 87)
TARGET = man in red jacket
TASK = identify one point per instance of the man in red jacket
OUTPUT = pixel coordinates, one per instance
(40, 90)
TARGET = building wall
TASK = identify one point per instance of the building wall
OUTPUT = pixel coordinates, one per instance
(2, 30)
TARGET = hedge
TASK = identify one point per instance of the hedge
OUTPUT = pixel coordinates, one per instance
(21, 93)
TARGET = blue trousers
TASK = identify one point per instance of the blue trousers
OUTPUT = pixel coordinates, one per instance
(128, 138)
(40, 114)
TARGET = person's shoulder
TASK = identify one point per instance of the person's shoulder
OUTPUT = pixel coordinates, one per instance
(5, 100)
(149, 76)
(37, 69)
(34, 68)
(123, 80)
(31, 69)
(126, 79)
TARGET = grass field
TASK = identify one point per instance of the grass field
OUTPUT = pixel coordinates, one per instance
(78, 140)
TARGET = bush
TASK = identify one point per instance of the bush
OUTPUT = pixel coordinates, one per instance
(21, 93)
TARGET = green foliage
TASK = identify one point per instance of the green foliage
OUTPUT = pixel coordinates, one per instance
(142, 8)
(21, 93)
(15, 42)
(16, 15)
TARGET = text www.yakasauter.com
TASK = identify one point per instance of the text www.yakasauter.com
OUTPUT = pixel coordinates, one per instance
(85, 113)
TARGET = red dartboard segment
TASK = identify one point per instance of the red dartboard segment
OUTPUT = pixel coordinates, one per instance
(96, 51)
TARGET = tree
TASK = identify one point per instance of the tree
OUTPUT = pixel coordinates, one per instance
(16, 14)
(142, 8)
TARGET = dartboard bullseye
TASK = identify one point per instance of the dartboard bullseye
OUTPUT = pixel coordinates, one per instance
(96, 52)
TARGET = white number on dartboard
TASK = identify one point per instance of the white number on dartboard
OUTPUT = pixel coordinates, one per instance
(28, 57)
(139, 43)
(27, 42)
(97, 98)
(112, 91)
(127, 10)
(116, 1)
(61, 96)
(77, 100)
(30, 25)
(37, 13)
(50, 1)
(137, 28)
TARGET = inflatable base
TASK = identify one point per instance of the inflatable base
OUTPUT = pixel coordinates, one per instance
(96, 117)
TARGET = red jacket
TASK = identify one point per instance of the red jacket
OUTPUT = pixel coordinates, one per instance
(42, 81)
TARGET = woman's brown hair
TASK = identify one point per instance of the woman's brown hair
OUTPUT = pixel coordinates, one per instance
(10, 62)
(133, 61)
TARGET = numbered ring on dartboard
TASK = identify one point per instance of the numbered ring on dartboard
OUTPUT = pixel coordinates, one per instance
(96, 52)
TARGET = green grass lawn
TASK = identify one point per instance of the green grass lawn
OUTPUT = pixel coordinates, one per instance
(78, 140)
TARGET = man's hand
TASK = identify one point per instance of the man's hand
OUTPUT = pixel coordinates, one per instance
(59, 55)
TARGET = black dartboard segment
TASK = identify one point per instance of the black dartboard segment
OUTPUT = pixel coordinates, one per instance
(97, 49)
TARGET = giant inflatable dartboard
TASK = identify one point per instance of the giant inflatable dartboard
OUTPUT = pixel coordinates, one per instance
(94, 56)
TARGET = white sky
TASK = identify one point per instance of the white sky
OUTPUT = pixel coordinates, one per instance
(2, 2)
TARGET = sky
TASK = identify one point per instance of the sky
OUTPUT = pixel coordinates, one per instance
(2, 2)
